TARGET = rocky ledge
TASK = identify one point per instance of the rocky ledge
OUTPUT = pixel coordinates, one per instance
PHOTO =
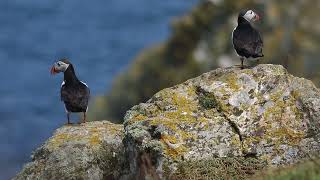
(88, 151)
(227, 123)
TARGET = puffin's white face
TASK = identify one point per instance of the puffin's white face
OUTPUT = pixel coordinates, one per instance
(251, 16)
(59, 66)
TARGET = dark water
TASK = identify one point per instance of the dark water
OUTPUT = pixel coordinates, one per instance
(100, 37)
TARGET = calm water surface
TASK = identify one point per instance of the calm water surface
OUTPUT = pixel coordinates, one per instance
(100, 37)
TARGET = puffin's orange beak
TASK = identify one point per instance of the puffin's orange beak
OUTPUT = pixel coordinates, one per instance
(53, 71)
(257, 17)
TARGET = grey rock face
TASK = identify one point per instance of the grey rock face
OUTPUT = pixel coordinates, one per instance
(92, 150)
(261, 112)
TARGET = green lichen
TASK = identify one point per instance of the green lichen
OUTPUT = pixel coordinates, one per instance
(208, 101)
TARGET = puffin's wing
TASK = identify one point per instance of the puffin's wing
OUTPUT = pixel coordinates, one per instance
(243, 42)
(258, 45)
(85, 91)
(248, 42)
(76, 98)
(83, 96)
(66, 96)
(86, 94)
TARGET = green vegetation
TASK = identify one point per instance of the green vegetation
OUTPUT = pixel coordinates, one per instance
(218, 168)
(309, 170)
(244, 168)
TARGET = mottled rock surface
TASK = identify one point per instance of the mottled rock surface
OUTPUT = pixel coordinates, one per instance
(261, 112)
(93, 150)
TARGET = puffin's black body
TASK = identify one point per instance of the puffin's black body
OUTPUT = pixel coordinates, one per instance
(74, 93)
(247, 40)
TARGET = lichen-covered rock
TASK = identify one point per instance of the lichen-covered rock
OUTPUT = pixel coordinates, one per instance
(261, 112)
(93, 150)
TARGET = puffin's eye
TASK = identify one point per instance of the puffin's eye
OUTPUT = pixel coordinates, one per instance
(58, 64)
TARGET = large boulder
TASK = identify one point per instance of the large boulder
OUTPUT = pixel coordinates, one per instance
(224, 116)
(93, 150)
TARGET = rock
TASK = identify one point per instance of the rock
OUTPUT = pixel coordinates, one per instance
(226, 115)
(225, 124)
(93, 150)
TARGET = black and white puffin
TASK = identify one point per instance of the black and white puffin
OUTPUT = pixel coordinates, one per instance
(74, 93)
(247, 40)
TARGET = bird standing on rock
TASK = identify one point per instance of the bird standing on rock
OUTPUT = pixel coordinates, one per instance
(247, 40)
(74, 93)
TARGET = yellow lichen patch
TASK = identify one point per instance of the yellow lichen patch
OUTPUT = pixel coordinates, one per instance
(114, 130)
(183, 113)
(249, 142)
(168, 138)
(59, 139)
(275, 96)
(180, 116)
(94, 140)
(295, 94)
(235, 141)
(175, 153)
(273, 113)
(186, 135)
(285, 111)
(140, 117)
(287, 135)
(231, 79)
(182, 102)
(137, 118)
(247, 71)
(172, 147)
(202, 121)
(165, 122)
(191, 91)
(93, 130)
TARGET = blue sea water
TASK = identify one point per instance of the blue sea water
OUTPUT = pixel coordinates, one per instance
(100, 37)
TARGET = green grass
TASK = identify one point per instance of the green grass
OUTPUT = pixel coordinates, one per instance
(243, 168)
(309, 170)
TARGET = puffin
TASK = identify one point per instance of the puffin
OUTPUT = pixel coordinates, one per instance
(246, 40)
(74, 93)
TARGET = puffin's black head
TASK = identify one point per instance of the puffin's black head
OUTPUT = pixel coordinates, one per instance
(249, 15)
(60, 66)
